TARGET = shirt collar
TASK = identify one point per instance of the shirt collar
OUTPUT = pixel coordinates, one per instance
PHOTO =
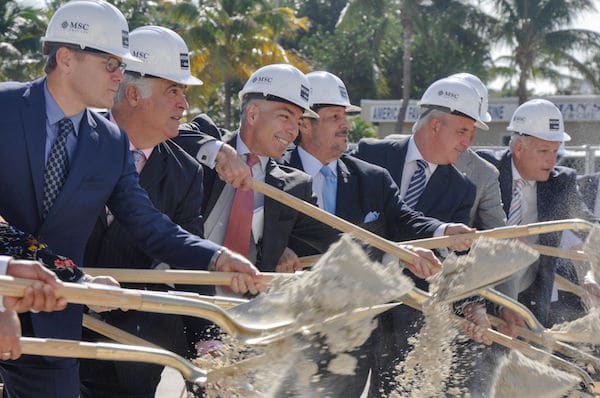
(517, 176)
(54, 114)
(311, 165)
(242, 149)
(147, 152)
(413, 154)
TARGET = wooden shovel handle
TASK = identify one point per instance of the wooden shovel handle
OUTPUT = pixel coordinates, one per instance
(190, 277)
(88, 294)
(113, 352)
(114, 333)
(334, 221)
(567, 286)
(512, 231)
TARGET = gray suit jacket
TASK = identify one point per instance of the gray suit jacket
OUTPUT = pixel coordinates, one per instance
(487, 211)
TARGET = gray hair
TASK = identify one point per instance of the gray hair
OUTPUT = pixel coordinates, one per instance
(518, 137)
(426, 116)
(143, 84)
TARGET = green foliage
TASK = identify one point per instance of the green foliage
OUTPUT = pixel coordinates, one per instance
(541, 42)
(20, 51)
(360, 129)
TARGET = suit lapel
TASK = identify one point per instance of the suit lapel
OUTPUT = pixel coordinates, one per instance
(85, 153)
(432, 194)
(218, 184)
(506, 178)
(34, 125)
(155, 169)
(347, 187)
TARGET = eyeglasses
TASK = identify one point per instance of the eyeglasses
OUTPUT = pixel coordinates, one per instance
(112, 63)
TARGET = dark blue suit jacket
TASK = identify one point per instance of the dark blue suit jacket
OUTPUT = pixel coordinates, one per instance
(558, 198)
(101, 172)
(283, 226)
(448, 195)
(363, 188)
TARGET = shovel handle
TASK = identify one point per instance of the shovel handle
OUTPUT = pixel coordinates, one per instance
(334, 221)
(576, 255)
(88, 294)
(114, 333)
(112, 352)
(511, 231)
(567, 286)
(190, 277)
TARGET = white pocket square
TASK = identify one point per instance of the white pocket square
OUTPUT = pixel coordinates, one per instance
(371, 216)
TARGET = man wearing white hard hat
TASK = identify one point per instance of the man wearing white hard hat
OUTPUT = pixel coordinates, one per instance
(487, 211)
(269, 233)
(62, 163)
(148, 105)
(357, 191)
(422, 166)
(535, 189)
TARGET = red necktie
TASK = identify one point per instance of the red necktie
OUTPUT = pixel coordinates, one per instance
(237, 237)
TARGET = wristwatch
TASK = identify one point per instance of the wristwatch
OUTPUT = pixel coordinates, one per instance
(212, 265)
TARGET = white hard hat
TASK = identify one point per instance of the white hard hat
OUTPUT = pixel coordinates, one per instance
(163, 53)
(478, 85)
(328, 89)
(282, 81)
(92, 24)
(456, 96)
(539, 118)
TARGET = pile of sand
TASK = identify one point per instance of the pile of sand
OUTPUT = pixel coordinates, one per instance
(341, 281)
(519, 376)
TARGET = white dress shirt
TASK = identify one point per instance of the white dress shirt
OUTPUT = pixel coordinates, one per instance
(410, 166)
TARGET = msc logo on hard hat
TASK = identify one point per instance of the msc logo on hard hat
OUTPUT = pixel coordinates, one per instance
(304, 92)
(554, 124)
(74, 25)
(262, 79)
(184, 60)
(448, 94)
(140, 54)
(343, 92)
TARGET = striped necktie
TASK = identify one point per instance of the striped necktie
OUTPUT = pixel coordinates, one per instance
(57, 166)
(416, 185)
(515, 214)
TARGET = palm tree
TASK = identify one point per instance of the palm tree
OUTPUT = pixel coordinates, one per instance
(424, 24)
(540, 43)
(20, 30)
(229, 39)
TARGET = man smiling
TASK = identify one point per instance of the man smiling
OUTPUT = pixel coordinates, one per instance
(274, 100)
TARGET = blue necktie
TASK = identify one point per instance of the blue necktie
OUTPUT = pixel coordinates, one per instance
(329, 189)
(416, 185)
(57, 166)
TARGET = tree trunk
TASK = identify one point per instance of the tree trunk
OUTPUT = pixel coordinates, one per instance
(407, 38)
(522, 89)
(227, 104)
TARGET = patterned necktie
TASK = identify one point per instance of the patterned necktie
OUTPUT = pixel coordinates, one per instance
(515, 214)
(329, 192)
(57, 166)
(416, 185)
(239, 227)
(139, 158)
